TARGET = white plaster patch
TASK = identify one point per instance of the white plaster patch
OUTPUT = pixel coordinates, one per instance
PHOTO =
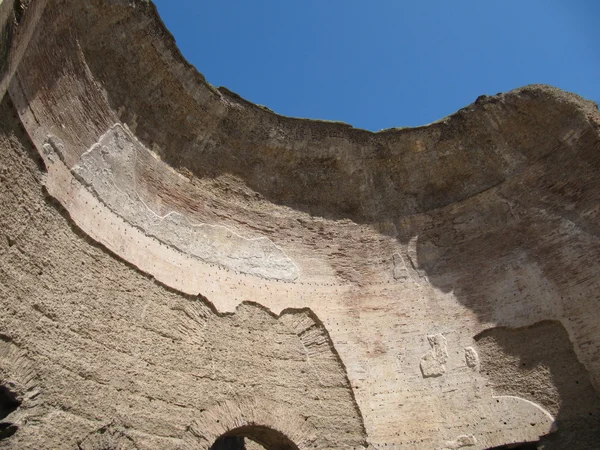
(461, 441)
(108, 169)
(433, 363)
(471, 358)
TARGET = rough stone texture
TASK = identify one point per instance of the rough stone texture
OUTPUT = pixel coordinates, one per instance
(104, 357)
(462, 441)
(538, 363)
(178, 265)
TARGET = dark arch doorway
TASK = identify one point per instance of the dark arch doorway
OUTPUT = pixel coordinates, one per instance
(260, 437)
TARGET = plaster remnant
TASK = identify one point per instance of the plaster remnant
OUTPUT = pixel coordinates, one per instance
(110, 170)
(400, 271)
(465, 440)
(433, 363)
(471, 357)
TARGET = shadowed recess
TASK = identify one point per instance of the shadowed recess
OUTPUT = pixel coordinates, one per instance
(520, 446)
(268, 438)
(9, 402)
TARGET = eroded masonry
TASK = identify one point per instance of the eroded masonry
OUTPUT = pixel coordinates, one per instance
(182, 269)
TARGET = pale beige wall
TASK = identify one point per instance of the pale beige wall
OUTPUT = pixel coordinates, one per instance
(405, 245)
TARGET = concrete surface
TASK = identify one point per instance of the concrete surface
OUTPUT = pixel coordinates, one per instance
(180, 268)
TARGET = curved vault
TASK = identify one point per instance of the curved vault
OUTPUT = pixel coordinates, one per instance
(402, 245)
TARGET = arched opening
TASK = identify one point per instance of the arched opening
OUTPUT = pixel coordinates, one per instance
(253, 437)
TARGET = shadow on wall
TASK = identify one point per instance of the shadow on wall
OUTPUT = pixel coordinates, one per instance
(522, 252)
(324, 169)
(519, 250)
(482, 190)
(538, 363)
(522, 446)
(516, 242)
(488, 192)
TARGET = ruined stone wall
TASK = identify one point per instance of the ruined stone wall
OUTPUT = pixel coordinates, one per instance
(182, 265)
(88, 342)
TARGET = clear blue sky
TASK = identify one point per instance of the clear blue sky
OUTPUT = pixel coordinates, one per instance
(385, 63)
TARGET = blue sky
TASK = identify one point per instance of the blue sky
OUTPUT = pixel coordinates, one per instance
(386, 63)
